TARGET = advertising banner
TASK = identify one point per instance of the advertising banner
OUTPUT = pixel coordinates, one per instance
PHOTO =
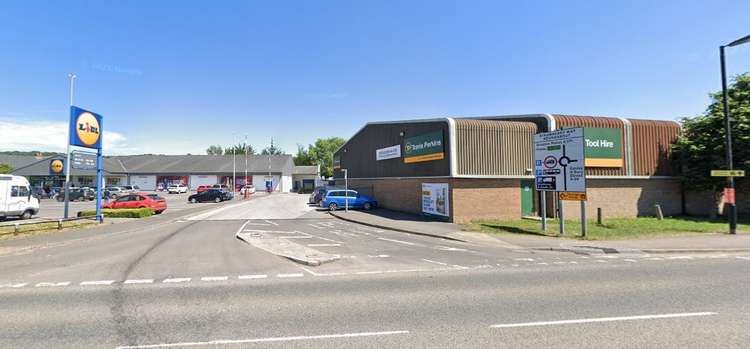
(435, 199)
(85, 128)
(391, 152)
(426, 147)
(559, 161)
(603, 147)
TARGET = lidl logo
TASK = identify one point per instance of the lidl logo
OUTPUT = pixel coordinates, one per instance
(56, 166)
(87, 128)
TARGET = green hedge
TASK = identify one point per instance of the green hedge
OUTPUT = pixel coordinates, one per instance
(120, 213)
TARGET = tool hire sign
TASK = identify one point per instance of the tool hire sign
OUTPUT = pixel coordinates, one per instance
(85, 128)
(559, 163)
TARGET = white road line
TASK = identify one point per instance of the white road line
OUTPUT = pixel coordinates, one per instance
(323, 245)
(680, 257)
(296, 237)
(398, 241)
(215, 278)
(327, 239)
(379, 256)
(448, 248)
(251, 277)
(97, 283)
(269, 222)
(18, 285)
(263, 340)
(52, 284)
(369, 272)
(654, 259)
(630, 260)
(138, 281)
(603, 319)
(292, 275)
(434, 262)
(176, 280)
(743, 257)
(524, 259)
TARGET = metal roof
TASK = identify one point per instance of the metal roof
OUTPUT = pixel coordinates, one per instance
(300, 170)
(18, 161)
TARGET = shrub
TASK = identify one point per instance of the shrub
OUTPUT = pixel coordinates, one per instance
(120, 213)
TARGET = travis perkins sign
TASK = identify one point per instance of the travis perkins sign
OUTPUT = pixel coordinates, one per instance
(425, 147)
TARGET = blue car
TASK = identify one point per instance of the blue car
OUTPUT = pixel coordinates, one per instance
(337, 199)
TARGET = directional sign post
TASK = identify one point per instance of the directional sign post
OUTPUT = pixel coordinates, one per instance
(85, 130)
(559, 166)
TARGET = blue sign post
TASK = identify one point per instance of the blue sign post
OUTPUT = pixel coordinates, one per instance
(86, 131)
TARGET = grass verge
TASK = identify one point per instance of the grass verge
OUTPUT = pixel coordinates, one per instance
(611, 229)
(120, 213)
(8, 231)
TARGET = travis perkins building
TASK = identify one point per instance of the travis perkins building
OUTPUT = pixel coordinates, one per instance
(481, 167)
(151, 171)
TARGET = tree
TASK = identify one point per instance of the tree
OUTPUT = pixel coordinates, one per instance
(272, 150)
(5, 169)
(240, 149)
(320, 153)
(214, 150)
(701, 147)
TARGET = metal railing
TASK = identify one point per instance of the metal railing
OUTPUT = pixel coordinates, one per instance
(17, 225)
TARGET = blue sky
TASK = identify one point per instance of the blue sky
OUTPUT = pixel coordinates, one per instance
(175, 77)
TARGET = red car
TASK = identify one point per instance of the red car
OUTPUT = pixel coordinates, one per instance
(139, 200)
(202, 188)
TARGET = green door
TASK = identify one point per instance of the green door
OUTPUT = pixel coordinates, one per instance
(527, 197)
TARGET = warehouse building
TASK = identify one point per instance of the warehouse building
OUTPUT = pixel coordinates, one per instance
(482, 167)
(150, 172)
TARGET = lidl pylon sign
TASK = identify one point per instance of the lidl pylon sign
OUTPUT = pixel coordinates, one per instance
(85, 128)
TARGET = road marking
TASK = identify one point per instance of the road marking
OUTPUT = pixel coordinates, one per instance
(296, 237)
(524, 259)
(680, 257)
(448, 248)
(379, 256)
(603, 319)
(250, 277)
(369, 272)
(654, 259)
(270, 222)
(18, 285)
(292, 275)
(558, 262)
(601, 261)
(398, 241)
(331, 240)
(324, 245)
(176, 280)
(543, 263)
(263, 340)
(214, 278)
(743, 257)
(435, 262)
(262, 224)
(97, 283)
(138, 281)
(630, 260)
(52, 284)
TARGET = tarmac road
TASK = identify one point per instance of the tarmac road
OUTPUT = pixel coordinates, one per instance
(187, 281)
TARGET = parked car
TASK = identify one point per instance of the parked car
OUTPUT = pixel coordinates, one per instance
(113, 192)
(130, 188)
(16, 198)
(338, 198)
(139, 200)
(317, 195)
(177, 188)
(215, 195)
(160, 187)
(77, 194)
(249, 189)
(202, 188)
(220, 186)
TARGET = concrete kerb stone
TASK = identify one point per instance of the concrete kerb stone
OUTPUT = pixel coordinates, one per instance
(381, 226)
(609, 250)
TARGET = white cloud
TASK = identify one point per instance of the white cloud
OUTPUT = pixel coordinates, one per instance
(51, 136)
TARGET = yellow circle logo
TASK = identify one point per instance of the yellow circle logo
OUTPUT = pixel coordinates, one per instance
(56, 166)
(87, 128)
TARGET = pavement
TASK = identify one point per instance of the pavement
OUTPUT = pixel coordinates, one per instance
(414, 224)
(183, 279)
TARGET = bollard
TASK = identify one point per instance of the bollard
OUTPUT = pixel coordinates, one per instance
(599, 216)
(17, 228)
(59, 224)
(659, 214)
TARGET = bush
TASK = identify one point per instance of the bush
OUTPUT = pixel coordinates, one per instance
(120, 213)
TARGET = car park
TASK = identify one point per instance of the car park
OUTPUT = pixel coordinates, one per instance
(339, 198)
(177, 189)
(213, 194)
(139, 200)
(16, 198)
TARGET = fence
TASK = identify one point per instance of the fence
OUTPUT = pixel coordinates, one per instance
(17, 225)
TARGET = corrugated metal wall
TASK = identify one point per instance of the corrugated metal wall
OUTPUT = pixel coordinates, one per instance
(493, 147)
(358, 154)
(652, 140)
(564, 121)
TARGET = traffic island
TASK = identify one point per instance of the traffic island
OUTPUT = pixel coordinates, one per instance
(284, 248)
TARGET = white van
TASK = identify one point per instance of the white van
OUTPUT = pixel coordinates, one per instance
(16, 198)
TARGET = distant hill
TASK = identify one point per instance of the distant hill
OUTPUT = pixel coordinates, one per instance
(30, 153)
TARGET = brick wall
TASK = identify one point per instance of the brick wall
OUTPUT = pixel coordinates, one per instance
(628, 198)
(486, 199)
(702, 203)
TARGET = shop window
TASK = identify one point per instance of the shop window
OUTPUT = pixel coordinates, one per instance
(85, 181)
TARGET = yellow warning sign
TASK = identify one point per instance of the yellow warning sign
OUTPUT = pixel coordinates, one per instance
(572, 196)
(727, 173)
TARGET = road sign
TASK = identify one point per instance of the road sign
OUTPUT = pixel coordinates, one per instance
(572, 196)
(559, 161)
(727, 173)
(83, 160)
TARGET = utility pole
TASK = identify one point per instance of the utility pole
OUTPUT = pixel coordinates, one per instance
(234, 163)
(72, 77)
(246, 151)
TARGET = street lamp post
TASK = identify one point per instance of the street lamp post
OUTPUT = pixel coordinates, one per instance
(234, 163)
(67, 163)
(246, 151)
(729, 193)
